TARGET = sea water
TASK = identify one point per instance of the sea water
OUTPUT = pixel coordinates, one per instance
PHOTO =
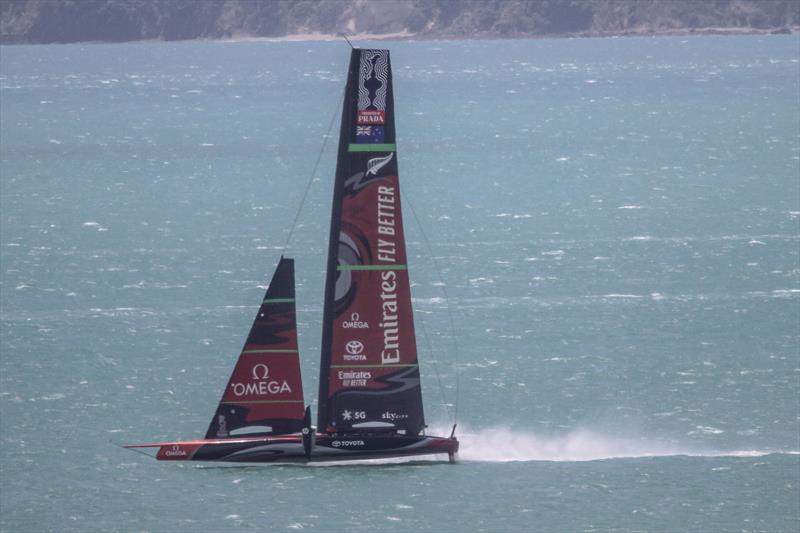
(603, 238)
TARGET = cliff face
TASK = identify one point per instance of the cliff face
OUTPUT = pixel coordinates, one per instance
(62, 21)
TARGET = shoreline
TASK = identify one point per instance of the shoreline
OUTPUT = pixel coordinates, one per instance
(406, 36)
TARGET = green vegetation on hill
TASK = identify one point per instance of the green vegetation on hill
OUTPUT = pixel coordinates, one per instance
(60, 21)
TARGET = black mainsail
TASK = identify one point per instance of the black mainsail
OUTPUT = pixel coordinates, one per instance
(369, 374)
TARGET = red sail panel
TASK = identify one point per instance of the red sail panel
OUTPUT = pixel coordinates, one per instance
(369, 378)
(376, 327)
(264, 395)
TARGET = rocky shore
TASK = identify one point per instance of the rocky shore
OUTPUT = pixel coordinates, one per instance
(67, 21)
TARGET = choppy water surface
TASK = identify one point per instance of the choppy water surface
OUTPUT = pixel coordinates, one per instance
(617, 222)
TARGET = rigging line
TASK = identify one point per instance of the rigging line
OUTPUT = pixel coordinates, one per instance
(435, 367)
(348, 40)
(427, 338)
(428, 341)
(313, 174)
(447, 303)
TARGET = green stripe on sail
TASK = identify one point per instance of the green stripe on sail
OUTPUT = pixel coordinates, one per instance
(278, 300)
(375, 366)
(371, 267)
(249, 352)
(372, 147)
(239, 402)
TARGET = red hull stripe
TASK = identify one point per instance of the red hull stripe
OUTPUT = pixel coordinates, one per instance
(287, 438)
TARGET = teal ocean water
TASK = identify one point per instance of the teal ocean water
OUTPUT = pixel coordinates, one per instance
(614, 225)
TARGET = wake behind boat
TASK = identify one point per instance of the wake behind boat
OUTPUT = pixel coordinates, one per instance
(370, 399)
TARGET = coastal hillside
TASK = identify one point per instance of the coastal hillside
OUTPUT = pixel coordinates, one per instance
(65, 21)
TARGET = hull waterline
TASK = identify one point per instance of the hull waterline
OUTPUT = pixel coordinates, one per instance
(290, 448)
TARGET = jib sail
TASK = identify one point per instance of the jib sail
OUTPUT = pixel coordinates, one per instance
(369, 377)
(264, 395)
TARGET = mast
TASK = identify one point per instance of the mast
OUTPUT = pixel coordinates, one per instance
(333, 240)
(369, 374)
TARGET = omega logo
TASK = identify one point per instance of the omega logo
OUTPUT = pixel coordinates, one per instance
(261, 384)
(175, 452)
(264, 371)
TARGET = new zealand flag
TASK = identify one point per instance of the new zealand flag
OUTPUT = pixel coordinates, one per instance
(369, 134)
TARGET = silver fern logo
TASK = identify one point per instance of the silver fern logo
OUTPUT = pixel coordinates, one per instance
(374, 165)
(359, 180)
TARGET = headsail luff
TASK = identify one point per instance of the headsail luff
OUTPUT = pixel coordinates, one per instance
(369, 374)
(264, 395)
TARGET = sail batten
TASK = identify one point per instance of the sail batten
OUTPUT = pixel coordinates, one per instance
(370, 267)
(248, 402)
(369, 373)
(250, 352)
(371, 148)
(374, 366)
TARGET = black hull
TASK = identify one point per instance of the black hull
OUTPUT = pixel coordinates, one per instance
(290, 449)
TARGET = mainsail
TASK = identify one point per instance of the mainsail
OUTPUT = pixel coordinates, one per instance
(369, 376)
(264, 395)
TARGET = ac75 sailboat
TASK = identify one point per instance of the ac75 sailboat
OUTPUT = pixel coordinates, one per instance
(370, 400)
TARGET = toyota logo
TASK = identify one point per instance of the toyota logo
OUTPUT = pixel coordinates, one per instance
(354, 347)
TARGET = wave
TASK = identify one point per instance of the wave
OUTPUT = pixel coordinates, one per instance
(502, 444)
